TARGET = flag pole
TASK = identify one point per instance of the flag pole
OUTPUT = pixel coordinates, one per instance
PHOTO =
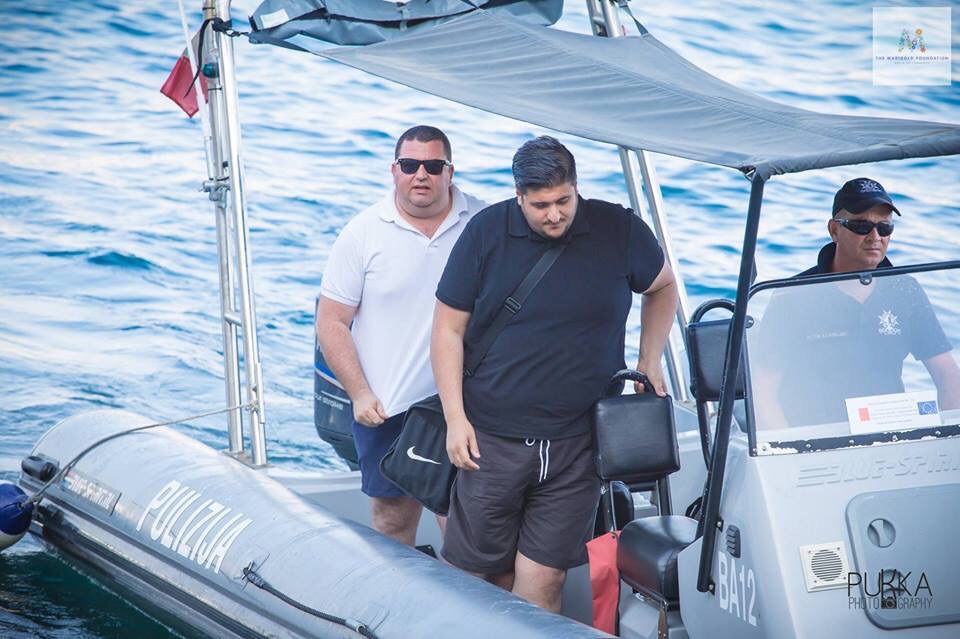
(215, 186)
(232, 164)
(221, 126)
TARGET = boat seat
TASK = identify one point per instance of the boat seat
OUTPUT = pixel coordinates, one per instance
(648, 547)
(707, 352)
(707, 344)
(647, 554)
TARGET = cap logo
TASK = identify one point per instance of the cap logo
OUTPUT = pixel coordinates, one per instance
(869, 186)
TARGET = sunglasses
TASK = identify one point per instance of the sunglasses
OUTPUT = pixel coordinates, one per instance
(411, 166)
(863, 227)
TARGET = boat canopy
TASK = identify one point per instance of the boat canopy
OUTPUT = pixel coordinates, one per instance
(632, 91)
(351, 22)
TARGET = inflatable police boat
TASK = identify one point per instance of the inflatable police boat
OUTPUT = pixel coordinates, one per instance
(191, 532)
(793, 525)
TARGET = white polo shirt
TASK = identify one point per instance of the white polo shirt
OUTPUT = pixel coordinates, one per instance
(389, 271)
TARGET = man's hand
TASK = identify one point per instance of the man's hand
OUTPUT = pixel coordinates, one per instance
(336, 342)
(368, 410)
(462, 444)
(654, 372)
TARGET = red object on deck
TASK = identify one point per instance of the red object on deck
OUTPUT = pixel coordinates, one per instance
(604, 581)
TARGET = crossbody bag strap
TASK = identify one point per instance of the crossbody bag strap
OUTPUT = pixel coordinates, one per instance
(512, 305)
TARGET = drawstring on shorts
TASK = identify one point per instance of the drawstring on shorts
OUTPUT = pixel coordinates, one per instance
(544, 456)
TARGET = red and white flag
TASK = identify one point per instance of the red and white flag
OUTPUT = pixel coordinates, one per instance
(179, 84)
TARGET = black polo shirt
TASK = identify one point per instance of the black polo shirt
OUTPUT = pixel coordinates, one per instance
(553, 360)
(829, 346)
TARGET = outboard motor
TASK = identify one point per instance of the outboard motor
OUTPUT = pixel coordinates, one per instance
(332, 409)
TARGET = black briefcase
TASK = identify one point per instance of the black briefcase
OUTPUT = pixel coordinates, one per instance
(417, 462)
(635, 438)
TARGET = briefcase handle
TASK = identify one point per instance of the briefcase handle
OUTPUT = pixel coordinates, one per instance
(627, 374)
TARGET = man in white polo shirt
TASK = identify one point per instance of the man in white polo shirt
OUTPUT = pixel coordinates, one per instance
(376, 308)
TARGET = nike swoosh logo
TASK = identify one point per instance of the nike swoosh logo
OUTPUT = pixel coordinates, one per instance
(415, 457)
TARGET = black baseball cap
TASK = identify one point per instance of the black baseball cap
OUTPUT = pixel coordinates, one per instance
(859, 194)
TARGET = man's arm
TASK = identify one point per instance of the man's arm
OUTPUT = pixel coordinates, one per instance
(657, 311)
(946, 375)
(446, 356)
(336, 342)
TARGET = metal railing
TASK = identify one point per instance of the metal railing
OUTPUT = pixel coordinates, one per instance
(638, 168)
(225, 189)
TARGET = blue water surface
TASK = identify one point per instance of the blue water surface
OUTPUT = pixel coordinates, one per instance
(108, 295)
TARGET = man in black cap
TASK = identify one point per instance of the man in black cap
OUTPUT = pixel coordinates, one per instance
(818, 345)
(860, 228)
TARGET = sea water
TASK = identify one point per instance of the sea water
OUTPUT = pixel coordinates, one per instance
(108, 264)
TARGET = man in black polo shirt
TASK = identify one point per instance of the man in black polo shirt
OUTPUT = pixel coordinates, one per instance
(821, 344)
(524, 504)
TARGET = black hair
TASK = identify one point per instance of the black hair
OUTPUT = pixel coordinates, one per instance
(543, 163)
(424, 133)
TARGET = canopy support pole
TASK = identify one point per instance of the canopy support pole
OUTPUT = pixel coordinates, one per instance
(711, 523)
(238, 315)
(214, 158)
(638, 167)
(215, 186)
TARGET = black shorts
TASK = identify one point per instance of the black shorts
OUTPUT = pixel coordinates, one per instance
(535, 496)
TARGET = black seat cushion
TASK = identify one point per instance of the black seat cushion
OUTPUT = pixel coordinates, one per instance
(647, 553)
(707, 351)
(635, 438)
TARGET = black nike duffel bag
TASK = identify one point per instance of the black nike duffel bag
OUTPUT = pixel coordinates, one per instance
(417, 462)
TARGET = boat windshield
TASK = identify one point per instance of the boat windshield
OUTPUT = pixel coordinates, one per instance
(853, 360)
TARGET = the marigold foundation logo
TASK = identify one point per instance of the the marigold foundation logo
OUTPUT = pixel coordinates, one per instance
(911, 45)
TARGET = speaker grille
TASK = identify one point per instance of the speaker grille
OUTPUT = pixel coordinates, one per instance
(824, 566)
